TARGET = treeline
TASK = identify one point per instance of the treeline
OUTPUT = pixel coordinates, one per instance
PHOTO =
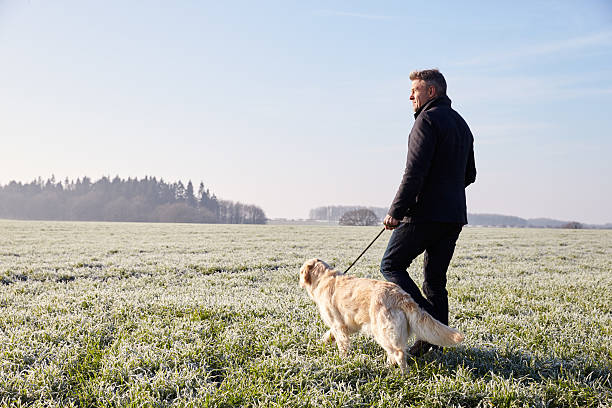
(498, 220)
(335, 212)
(145, 200)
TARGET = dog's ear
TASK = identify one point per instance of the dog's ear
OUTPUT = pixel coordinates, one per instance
(306, 269)
(306, 275)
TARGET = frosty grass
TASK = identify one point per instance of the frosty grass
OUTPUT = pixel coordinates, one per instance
(126, 314)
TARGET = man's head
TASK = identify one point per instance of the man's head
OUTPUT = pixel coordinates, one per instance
(426, 85)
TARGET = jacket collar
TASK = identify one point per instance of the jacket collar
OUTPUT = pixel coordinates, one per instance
(439, 101)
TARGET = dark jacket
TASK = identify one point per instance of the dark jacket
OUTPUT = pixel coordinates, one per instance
(440, 164)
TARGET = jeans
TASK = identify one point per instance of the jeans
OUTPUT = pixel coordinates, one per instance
(409, 240)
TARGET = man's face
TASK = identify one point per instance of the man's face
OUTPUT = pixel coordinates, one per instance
(420, 93)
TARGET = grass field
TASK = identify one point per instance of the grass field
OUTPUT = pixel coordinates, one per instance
(104, 314)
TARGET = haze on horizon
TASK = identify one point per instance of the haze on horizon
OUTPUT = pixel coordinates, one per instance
(295, 105)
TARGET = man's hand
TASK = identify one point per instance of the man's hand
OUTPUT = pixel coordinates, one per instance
(390, 222)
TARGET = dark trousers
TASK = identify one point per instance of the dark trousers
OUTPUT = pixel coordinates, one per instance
(437, 240)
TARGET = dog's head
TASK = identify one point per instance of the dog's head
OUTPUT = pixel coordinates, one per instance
(311, 270)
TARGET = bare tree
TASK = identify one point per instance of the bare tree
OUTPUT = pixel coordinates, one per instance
(573, 225)
(359, 217)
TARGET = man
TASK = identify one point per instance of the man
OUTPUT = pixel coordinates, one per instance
(429, 209)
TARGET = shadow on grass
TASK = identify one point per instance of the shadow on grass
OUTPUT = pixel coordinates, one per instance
(517, 364)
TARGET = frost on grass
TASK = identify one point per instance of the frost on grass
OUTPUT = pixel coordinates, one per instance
(101, 314)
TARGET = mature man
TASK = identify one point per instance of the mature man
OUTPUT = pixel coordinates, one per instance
(429, 209)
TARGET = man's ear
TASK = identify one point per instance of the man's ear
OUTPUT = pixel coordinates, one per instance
(431, 91)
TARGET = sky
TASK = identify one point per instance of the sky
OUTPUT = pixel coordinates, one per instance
(292, 105)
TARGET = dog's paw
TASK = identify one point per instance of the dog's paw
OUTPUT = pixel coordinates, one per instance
(327, 338)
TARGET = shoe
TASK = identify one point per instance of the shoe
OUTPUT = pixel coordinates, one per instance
(420, 347)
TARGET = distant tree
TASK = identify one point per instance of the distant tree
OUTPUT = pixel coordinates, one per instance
(207, 216)
(179, 191)
(48, 205)
(359, 217)
(166, 193)
(257, 215)
(202, 199)
(573, 225)
(50, 184)
(177, 212)
(83, 186)
(334, 212)
(117, 210)
(87, 207)
(213, 206)
(67, 185)
(205, 201)
(189, 196)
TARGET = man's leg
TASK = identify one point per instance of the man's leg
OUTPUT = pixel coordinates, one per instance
(406, 243)
(438, 255)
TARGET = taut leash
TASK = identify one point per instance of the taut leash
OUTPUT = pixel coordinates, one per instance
(379, 234)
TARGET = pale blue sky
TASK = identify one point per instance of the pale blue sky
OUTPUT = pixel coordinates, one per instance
(296, 104)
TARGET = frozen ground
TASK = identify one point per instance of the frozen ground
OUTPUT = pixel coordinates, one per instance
(111, 314)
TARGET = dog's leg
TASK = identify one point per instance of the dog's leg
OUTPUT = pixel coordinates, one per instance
(342, 340)
(400, 357)
(388, 349)
(328, 337)
(389, 332)
(397, 357)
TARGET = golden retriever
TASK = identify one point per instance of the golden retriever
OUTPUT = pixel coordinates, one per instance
(382, 309)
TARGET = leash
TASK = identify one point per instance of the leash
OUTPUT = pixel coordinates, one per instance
(379, 234)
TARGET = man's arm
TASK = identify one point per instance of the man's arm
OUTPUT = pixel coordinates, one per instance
(470, 168)
(421, 148)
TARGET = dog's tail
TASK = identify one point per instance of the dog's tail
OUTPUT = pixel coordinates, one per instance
(425, 327)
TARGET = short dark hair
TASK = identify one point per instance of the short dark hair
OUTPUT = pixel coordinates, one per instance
(432, 77)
